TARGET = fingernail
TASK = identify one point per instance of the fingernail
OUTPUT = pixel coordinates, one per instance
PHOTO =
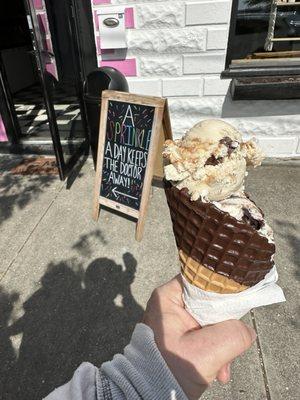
(252, 334)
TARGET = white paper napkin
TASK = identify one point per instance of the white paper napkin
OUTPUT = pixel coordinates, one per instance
(210, 308)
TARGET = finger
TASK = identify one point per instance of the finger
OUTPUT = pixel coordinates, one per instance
(173, 290)
(170, 296)
(223, 375)
(221, 343)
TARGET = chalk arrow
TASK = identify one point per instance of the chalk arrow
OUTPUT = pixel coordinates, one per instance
(116, 192)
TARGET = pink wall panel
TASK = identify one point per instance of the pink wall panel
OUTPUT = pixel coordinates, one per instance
(48, 45)
(97, 2)
(129, 17)
(43, 23)
(38, 4)
(96, 21)
(51, 68)
(98, 45)
(3, 136)
(127, 67)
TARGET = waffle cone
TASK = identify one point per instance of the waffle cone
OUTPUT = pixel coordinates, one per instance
(210, 238)
(205, 279)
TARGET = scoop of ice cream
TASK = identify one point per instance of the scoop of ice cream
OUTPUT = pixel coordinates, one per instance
(243, 209)
(210, 160)
(213, 130)
(253, 153)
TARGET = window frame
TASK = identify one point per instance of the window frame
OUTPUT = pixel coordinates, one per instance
(243, 71)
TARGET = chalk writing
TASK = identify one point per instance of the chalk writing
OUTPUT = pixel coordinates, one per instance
(127, 142)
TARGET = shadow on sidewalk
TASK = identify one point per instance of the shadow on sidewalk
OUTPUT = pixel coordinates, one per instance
(75, 316)
(17, 192)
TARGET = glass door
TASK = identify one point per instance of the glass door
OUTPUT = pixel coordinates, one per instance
(54, 50)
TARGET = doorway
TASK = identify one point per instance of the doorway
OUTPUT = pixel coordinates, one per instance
(42, 79)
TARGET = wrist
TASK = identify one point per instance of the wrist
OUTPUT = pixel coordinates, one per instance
(184, 372)
(143, 367)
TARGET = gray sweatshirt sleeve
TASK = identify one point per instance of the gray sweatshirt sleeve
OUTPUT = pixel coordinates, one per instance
(140, 373)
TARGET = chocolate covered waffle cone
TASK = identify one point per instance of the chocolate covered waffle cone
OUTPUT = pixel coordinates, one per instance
(218, 252)
(205, 279)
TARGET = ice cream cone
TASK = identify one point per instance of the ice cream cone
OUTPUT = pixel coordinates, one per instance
(224, 243)
(217, 252)
(205, 279)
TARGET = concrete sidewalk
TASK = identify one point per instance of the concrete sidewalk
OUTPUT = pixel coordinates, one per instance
(71, 290)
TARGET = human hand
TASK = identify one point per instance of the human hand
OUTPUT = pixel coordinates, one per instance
(196, 356)
(130, 265)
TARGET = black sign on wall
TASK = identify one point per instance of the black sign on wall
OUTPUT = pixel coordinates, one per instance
(126, 148)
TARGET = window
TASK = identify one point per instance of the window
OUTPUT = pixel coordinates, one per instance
(263, 54)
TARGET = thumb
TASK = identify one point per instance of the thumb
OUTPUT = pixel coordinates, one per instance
(221, 343)
(229, 339)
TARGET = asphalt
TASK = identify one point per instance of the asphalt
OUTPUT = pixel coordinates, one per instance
(72, 289)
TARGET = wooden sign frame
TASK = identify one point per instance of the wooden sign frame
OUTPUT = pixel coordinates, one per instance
(161, 130)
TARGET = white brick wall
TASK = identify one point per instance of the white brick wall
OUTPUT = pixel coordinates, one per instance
(206, 63)
(217, 37)
(214, 86)
(149, 87)
(207, 12)
(181, 86)
(278, 146)
(160, 65)
(167, 41)
(180, 49)
(165, 15)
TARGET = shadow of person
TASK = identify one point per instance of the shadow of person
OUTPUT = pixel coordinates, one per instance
(73, 317)
(49, 319)
(8, 355)
(109, 298)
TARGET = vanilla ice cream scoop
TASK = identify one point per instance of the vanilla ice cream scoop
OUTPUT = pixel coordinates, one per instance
(210, 160)
(213, 130)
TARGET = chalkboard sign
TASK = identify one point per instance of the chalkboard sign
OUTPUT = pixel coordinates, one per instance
(132, 128)
(126, 149)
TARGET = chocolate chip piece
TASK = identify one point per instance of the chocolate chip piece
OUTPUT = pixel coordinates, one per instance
(229, 143)
(184, 191)
(226, 141)
(255, 223)
(212, 160)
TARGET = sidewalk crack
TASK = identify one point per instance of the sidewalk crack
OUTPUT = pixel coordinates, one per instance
(261, 358)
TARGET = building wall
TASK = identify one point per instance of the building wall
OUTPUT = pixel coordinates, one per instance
(177, 49)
